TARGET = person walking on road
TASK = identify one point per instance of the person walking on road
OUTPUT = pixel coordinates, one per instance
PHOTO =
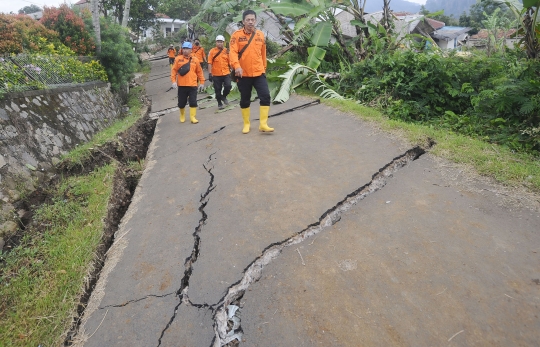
(248, 58)
(185, 73)
(198, 51)
(171, 52)
(219, 71)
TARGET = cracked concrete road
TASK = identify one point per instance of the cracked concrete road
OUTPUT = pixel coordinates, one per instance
(326, 232)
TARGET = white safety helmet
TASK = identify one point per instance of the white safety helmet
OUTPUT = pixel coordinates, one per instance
(220, 38)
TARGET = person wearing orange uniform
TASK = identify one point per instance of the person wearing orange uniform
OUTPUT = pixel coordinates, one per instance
(187, 83)
(250, 69)
(218, 71)
(171, 52)
(198, 51)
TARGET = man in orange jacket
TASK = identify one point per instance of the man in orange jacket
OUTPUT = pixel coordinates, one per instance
(185, 72)
(218, 71)
(171, 52)
(250, 69)
(198, 51)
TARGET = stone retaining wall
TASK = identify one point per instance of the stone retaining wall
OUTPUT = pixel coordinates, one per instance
(37, 127)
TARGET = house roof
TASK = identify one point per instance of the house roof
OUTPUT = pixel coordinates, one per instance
(483, 34)
(449, 33)
(162, 15)
(81, 2)
(435, 23)
(402, 14)
(36, 15)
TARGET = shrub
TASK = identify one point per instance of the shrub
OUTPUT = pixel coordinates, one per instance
(117, 55)
(70, 28)
(22, 34)
(495, 98)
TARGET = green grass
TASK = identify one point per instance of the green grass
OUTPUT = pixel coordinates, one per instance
(144, 67)
(487, 159)
(134, 103)
(41, 280)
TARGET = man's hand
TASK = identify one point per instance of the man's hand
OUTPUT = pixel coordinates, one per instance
(210, 77)
(201, 88)
(174, 86)
(238, 72)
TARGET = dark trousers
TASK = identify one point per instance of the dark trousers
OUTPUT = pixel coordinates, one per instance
(245, 84)
(222, 82)
(187, 92)
(171, 60)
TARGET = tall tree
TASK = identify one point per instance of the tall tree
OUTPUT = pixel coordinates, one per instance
(126, 13)
(95, 23)
(180, 9)
(30, 9)
(476, 14)
(142, 15)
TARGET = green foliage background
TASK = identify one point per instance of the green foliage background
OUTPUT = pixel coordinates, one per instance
(493, 98)
(117, 54)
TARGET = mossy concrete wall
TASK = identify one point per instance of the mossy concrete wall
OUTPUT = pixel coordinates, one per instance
(37, 127)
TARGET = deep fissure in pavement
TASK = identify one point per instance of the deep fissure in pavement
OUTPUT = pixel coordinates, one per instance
(207, 136)
(252, 273)
(182, 292)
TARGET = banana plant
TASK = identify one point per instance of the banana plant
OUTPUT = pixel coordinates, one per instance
(527, 14)
(313, 79)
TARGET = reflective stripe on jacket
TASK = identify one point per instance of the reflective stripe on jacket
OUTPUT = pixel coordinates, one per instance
(220, 65)
(190, 79)
(253, 61)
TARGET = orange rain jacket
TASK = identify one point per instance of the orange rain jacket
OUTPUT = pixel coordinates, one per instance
(198, 52)
(171, 52)
(220, 65)
(189, 79)
(253, 61)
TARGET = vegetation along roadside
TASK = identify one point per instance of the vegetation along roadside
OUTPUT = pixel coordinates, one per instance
(49, 269)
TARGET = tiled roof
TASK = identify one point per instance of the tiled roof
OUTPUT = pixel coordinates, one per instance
(483, 34)
(435, 24)
(402, 14)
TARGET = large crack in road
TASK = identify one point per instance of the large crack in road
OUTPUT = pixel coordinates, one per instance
(224, 334)
(182, 292)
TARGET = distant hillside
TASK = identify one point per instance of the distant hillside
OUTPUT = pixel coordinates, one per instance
(454, 7)
(395, 5)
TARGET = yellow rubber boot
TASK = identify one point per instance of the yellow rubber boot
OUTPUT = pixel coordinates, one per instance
(263, 127)
(192, 113)
(245, 116)
(182, 115)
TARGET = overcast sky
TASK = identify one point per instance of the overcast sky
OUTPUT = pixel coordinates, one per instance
(8, 6)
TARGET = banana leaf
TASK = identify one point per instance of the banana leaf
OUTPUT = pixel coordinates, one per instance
(531, 3)
(289, 8)
(321, 34)
(316, 55)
